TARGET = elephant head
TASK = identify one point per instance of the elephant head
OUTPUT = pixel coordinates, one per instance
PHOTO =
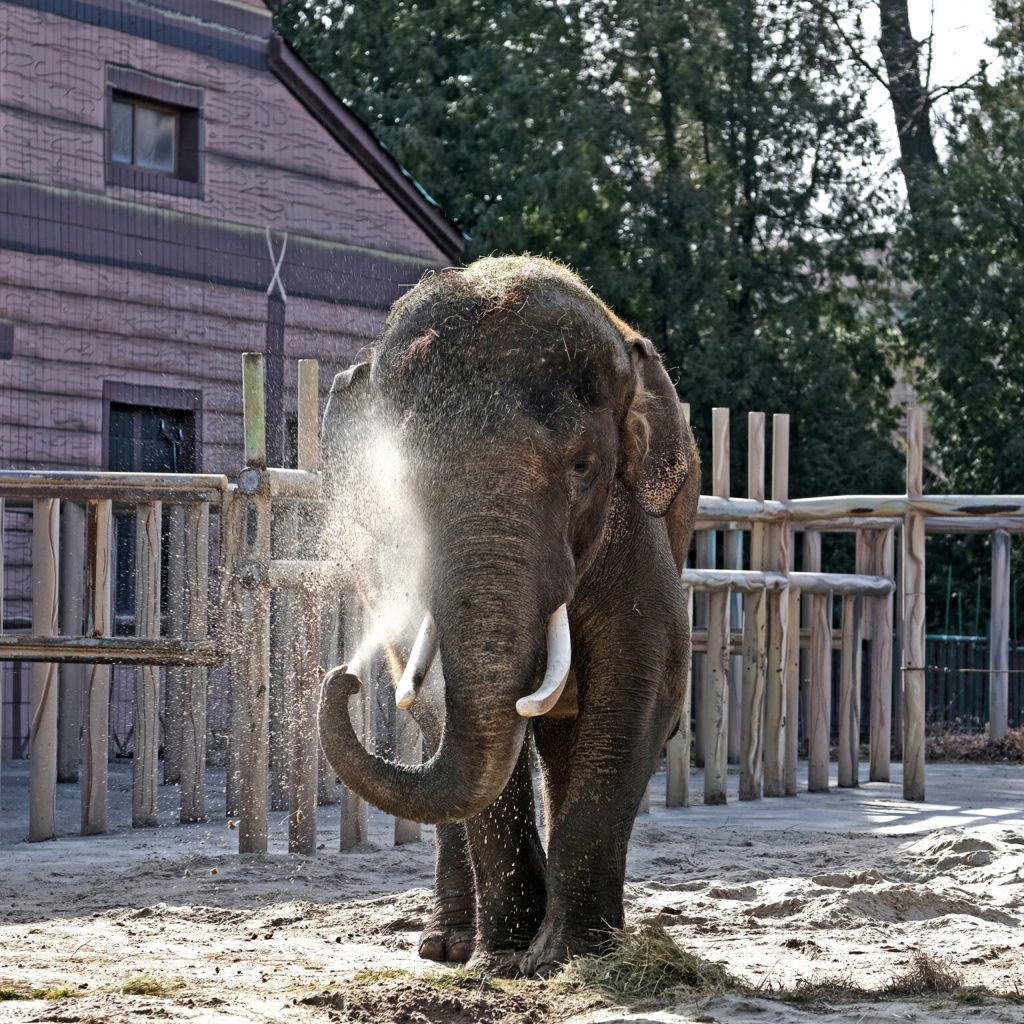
(529, 417)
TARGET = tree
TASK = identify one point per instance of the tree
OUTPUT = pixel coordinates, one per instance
(709, 167)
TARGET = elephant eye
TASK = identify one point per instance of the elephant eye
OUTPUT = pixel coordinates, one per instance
(584, 467)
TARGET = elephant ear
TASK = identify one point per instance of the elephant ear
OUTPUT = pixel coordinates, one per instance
(344, 422)
(655, 461)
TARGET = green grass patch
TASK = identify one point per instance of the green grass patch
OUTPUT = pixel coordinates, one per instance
(150, 985)
(643, 963)
(57, 992)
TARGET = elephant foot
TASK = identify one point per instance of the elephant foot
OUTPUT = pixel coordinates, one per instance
(553, 946)
(447, 945)
(501, 963)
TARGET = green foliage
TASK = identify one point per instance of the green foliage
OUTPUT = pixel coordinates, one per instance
(708, 166)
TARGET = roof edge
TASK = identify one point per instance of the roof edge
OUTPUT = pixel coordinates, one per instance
(359, 141)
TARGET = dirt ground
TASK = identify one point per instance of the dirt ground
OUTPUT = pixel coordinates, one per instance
(838, 890)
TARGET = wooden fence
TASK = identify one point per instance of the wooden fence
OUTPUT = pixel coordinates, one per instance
(764, 632)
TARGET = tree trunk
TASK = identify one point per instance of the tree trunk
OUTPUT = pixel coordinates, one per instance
(911, 103)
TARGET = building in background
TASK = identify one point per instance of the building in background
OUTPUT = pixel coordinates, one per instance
(176, 187)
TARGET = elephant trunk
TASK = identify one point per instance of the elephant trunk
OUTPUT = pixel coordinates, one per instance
(480, 743)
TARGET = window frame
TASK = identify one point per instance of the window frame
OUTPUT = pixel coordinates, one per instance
(185, 101)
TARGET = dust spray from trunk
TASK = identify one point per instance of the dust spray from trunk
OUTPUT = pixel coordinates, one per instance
(373, 527)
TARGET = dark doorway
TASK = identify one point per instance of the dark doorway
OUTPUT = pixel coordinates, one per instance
(143, 439)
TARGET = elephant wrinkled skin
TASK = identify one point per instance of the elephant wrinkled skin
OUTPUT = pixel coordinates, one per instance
(551, 465)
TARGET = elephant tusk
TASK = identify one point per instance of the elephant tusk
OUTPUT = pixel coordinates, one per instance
(545, 697)
(424, 650)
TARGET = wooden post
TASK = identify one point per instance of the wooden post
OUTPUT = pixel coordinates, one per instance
(254, 614)
(792, 691)
(45, 573)
(777, 681)
(174, 675)
(999, 641)
(305, 733)
(99, 564)
(147, 677)
(677, 750)
(282, 678)
(330, 655)
(914, 616)
(72, 622)
(193, 696)
(875, 558)
(755, 629)
(716, 700)
(232, 528)
(354, 811)
(308, 424)
(408, 750)
(705, 558)
(1, 622)
(819, 694)
(732, 558)
(849, 692)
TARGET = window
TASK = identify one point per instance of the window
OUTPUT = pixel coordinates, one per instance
(143, 135)
(148, 430)
(154, 129)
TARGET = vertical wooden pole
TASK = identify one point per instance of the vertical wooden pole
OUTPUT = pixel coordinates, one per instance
(282, 676)
(254, 615)
(232, 528)
(330, 655)
(780, 554)
(45, 573)
(354, 811)
(875, 558)
(716, 700)
(72, 622)
(998, 663)
(99, 565)
(792, 691)
(849, 692)
(819, 695)
(914, 617)
(677, 750)
(305, 734)
(147, 677)
(308, 426)
(409, 750)
(706, 558)
(174, 675)
(755, 629)
(193, 695)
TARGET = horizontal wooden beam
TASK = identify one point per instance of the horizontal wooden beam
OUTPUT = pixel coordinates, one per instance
(747, 581)
(131, 488)
(110, 650)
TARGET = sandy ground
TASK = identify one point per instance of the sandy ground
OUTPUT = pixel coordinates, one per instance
(847, 885)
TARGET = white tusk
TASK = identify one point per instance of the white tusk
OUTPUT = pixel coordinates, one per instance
(545, 697)
(424, 650)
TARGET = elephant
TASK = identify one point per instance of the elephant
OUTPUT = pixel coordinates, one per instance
(556, 482)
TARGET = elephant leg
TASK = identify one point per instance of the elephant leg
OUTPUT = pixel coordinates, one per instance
(508, 866)
(449, 934)
(591, 815)
(450, 931)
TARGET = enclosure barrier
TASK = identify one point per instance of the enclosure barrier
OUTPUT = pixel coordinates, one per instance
(763, 632)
